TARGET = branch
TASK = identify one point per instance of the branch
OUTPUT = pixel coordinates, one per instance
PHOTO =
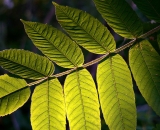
(95, 61)
(125, 46)
(64, 73)
(100, 58)
(37, 82)
(145, 35)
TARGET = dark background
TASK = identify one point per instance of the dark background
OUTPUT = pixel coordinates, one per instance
(12, 35)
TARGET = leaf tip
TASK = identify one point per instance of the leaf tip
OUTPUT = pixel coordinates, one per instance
(54, 3)
(23, 21)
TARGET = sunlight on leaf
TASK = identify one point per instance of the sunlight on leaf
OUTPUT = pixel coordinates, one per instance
(47, 106)
(82, 101)
(85, 29)
(54, 44)
(26, 64)
(120, 16)
(13, 94)
(145, 66)
(116, 93)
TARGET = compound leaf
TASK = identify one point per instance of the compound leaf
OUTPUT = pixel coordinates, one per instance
(54, 44)
(82, 101)
(47, 106)
(145, 66)
(85, 29)
(116, 93)
(120, 16)
(150, 8)
(26, 64)
(13, 94)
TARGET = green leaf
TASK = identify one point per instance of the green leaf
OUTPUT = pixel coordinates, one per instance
(116, 93)
(82, 101)
(26, 64)
(120, 16)
(85, 29)
(153, 38)
(13, 94)
(47, 106)
(145, 66)
(54, 44)
(150, 8)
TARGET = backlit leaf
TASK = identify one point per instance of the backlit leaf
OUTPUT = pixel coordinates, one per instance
(54, 44)
(13, 94)
(85, 29)
(120, 16)
(47, 106)
(116, 93)
(145, 66)
(82, 101)
(26, 64)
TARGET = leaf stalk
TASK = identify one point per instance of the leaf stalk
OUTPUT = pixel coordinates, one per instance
(145, 35)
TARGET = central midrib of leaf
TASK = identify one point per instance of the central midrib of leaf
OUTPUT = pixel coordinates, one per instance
(84, 30)
(113, 77)
(81, 96)
(25, 66)
(148, 69)
(48, 105)
(53, 44)
(18, 89)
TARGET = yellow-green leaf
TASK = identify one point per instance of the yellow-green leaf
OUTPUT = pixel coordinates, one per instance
(82, 101)
(85, 29)
(145, 66)
(26, 64)
(47, 106)
(13, 94)
(116, 93)
(54, 44)
(120, 16)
